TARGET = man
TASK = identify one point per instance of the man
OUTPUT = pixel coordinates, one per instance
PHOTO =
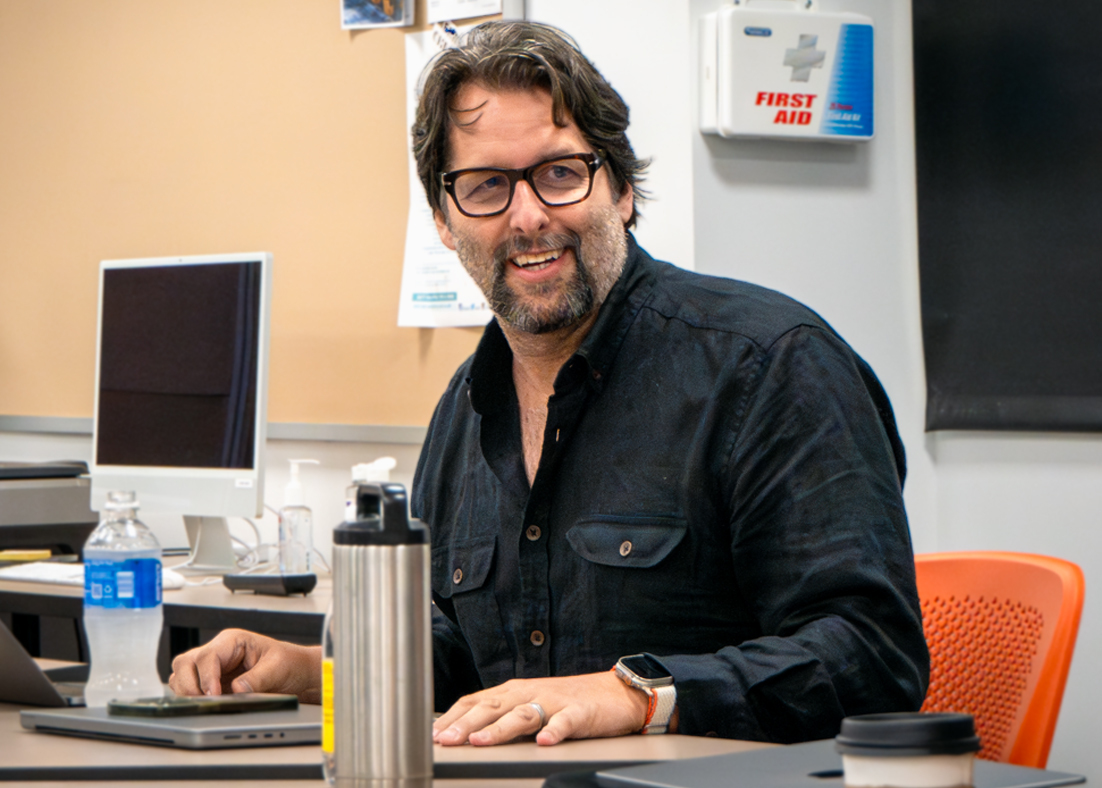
(637, 459)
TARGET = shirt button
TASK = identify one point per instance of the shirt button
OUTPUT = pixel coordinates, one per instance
(533, 533)
(625, 548)
(457, 576)
(536, 637)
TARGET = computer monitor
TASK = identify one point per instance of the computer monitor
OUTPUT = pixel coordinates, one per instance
(181, 391)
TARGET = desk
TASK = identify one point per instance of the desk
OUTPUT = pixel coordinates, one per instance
(193, 615)
(45, 755)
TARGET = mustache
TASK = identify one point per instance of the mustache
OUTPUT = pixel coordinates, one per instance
(515, 246)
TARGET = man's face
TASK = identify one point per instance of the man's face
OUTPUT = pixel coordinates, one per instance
(541, 268)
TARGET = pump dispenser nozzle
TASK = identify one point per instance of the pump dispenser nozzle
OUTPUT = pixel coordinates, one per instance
(292, 494)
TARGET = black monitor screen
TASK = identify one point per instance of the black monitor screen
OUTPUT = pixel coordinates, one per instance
(178, 365)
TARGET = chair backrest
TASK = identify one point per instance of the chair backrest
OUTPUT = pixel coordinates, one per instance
(1001, 629)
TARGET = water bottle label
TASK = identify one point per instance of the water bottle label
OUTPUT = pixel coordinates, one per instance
(133, 583)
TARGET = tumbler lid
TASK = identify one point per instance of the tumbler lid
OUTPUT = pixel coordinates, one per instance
(382, 518)
(907, 734)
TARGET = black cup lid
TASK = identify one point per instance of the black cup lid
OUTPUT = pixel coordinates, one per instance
(907, 733)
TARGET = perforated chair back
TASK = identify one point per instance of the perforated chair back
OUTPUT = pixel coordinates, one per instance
(1001, 630)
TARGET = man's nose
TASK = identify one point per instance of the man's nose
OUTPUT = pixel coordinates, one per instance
(527, 214)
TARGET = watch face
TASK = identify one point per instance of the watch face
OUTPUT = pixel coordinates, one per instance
(645, 667)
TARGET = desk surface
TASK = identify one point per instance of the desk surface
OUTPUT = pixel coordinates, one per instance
(211, 594)
(209, 607)
(49, 756)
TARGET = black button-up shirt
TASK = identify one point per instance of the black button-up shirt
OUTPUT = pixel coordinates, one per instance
(720, 485)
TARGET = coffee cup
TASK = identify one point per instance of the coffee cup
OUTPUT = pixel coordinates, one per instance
(908, 750)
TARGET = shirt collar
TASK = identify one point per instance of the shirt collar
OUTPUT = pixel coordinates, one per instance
(491, 380)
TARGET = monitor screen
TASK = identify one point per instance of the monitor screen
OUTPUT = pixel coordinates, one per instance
(181, 383)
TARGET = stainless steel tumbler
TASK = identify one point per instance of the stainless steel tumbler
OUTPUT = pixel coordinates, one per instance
(377, 669)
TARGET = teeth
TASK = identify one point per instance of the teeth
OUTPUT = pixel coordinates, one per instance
(537, 262)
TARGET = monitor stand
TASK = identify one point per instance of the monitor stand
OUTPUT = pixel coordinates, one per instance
(211, 547)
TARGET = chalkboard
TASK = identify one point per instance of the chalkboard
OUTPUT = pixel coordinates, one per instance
(138, 129)
(1008, 106)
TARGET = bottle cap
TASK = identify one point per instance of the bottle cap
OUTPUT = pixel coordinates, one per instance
(292, 493)
(121, 499)
(387, 525)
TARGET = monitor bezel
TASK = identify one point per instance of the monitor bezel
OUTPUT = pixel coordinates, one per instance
(205, 492)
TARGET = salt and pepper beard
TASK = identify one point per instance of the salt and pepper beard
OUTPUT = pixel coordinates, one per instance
(600, 251)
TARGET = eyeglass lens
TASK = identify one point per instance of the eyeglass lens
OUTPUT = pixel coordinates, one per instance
(557, 182)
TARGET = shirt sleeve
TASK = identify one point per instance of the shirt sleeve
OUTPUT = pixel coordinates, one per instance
(454, 672)
(821, 550)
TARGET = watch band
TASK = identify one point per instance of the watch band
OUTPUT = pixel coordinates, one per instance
(663, 700)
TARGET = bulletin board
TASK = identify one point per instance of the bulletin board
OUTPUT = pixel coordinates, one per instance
(1008, 114)
(139, 129)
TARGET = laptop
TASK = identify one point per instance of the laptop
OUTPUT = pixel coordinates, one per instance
(201, 732)
(24, 683)
(811, 765)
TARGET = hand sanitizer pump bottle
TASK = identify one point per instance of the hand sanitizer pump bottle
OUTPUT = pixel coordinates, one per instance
(377, 693)
(296, 527)
(123, 615)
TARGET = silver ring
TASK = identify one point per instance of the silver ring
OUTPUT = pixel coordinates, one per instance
(539, 711)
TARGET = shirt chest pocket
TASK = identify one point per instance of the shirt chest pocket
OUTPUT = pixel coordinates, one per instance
(462, 566)
(628, 542)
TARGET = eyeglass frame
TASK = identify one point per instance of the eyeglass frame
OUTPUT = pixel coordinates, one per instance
(593, 162)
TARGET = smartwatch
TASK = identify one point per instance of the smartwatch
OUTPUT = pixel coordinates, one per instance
(644, 672)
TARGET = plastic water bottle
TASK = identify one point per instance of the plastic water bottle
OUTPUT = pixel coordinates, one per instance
(123, 616)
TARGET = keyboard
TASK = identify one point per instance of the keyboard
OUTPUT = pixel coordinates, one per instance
(63, 574)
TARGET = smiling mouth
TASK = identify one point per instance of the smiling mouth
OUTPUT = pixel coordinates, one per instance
(537, 261)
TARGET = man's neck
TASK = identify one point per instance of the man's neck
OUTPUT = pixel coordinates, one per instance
(537, 358)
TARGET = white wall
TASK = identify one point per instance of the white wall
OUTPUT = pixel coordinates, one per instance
(639, 48)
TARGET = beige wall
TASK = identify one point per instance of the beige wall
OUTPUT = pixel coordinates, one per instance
(141, 128)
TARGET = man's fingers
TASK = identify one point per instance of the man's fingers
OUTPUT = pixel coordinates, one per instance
(209, 669)
(281, 667)
(184, 679)
(448, 718)
(522, 720)
(491, 717)
(560, 727)
(212, 666)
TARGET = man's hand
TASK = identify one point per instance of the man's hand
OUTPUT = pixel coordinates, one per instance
(240, 661)
(577, 707)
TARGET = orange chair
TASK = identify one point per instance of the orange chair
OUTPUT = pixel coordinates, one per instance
(1001, 629)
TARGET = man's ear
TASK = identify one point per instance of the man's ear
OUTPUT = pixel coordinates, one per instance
(443, 230)
(625, 205)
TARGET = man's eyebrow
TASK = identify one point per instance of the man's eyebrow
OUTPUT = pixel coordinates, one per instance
(554, 154)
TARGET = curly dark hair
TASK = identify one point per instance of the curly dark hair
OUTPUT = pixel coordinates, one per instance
(521, 55)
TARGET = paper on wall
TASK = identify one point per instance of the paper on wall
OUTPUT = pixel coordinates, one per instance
(447, 10)
(436, 290)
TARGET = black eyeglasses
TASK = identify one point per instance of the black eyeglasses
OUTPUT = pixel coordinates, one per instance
(488, 191)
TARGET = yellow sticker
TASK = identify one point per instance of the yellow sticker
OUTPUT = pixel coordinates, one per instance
(327, 705)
